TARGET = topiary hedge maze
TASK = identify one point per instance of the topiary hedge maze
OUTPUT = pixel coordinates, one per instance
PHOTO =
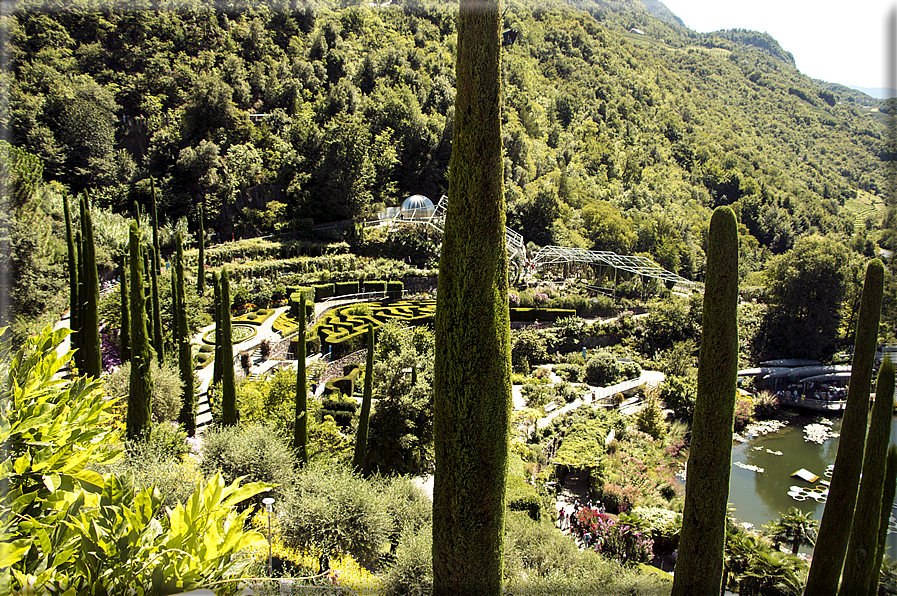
(344, 331)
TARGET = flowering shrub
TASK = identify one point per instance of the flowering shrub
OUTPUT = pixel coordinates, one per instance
(663, 525)
(514, 299)
(540, 298)
(619, 540)
(744, 411)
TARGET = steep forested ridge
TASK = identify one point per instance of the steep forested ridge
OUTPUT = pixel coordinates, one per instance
(281, 115)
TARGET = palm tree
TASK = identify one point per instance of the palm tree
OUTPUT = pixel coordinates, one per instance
(773, 573)
(741, 548)
(800, 528)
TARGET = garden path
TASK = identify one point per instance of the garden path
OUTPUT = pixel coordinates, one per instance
(648, 377)
(204, 375)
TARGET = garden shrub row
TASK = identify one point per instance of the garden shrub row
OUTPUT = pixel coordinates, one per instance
(540, 314)
(344, 384)
(342, 412)
(343, 333)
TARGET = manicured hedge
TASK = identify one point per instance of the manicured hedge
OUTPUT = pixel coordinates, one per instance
(394, 289)
(541, 314)
(323, 291)
(312, 344)
(296, 298)
(344, 385)
(344, 288)
(375, 286)
(344, 333)
(342, 411)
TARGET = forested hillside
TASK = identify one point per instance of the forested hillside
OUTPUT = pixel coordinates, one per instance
(279, 116)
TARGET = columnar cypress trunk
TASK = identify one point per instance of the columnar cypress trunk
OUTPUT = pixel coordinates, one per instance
(157, 311)
(837, 517)
(73, 268)
(228, 387)
(78, 306)
(157, 267)
(699, 568)
(887, 499)
(201, 267)
(125, 335)
(140, 387)
(472, 364)
(185, 355)
(216, 370)
(863, 544)
(90, 317)
(300, 420)
(361, 437)
(148, 285)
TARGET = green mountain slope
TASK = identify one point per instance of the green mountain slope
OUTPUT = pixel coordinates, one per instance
(283, 116)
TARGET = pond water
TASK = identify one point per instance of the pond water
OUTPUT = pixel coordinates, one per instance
(760, 497)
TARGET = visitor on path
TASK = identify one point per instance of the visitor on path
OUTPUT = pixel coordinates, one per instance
(562, 516)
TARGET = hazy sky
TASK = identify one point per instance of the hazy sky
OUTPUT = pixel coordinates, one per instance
(839, 46)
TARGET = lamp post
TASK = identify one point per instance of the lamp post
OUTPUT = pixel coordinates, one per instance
(269, 507)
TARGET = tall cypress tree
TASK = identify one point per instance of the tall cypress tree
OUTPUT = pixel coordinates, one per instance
(125, 335)
(148, 285)
(78, 306)
(216, 370)
(699, 568)
(90, 316)
(201, 267)
(300, 420)
(887, 499)
(73, 269)
(228, 383)
(157, 266)
(837, 517)
(185, 356)
(157, 310)
(863, 544)
(140, 387)
(361, 437)
(473, 359)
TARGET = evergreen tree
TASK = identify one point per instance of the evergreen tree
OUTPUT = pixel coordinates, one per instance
(90, 317)
(863, 544)
(699, 568)
(473, 355)
(361, 437)
(837, 517)
(73, 271)
(228, 386)
(216, 370)
(887, 499)
(78, 306)
(300, 423)
(140, 387)
(157, 266)
(125, 335)
(157, 311)
(185, 355)
(148, 284)
(201, 267)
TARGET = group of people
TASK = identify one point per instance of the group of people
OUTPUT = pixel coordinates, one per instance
(569, 521)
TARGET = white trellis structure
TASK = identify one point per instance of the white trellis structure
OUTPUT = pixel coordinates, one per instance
(546, 257)
(641, 266)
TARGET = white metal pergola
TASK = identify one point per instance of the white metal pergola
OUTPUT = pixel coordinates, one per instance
(548, 255)
(641, 266)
